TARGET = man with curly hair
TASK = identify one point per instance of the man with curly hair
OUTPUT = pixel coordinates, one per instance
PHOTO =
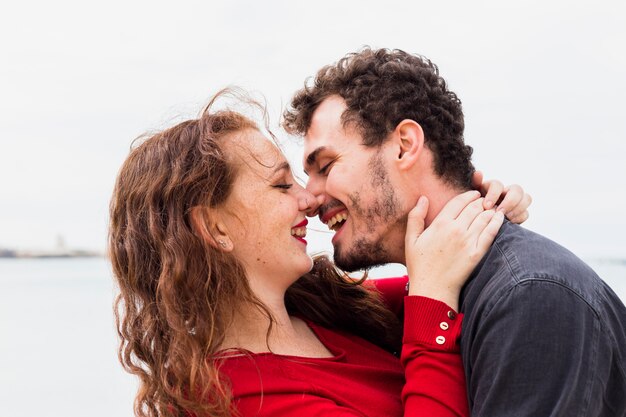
(542, 334)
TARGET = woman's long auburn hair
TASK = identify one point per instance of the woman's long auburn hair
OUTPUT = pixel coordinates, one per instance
(178, 293)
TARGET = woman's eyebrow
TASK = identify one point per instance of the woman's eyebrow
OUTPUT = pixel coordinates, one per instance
(283, 166)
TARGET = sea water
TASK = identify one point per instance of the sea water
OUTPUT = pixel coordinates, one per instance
(58, 344)
(58, 341)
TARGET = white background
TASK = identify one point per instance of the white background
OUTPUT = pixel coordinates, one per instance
(542, 84)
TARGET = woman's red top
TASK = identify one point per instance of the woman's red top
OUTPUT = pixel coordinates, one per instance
(361, 379)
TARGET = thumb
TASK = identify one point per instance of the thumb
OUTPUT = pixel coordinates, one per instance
(416, 220)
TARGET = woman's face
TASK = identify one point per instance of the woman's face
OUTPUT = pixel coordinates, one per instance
(266, 212)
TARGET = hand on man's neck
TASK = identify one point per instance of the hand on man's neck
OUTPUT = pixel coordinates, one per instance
(438, 192)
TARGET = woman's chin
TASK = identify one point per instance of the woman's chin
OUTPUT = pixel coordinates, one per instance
(305, 267)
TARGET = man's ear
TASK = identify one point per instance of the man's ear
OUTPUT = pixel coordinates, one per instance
(409, 141)
(206, 224)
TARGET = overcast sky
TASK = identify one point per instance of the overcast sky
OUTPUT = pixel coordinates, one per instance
(542, 84)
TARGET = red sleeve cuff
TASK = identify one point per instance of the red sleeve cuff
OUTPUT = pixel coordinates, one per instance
(431, 323)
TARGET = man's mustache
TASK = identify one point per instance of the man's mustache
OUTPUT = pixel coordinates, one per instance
(329, 206)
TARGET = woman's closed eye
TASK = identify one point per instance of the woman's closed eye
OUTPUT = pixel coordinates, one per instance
(282, 186)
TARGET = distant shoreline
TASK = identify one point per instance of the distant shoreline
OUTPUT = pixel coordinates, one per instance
(16, 254)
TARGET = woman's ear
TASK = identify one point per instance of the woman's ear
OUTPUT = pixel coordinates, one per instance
(409, 140)
(206, 223)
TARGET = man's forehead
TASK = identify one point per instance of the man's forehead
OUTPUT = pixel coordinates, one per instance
(327, 116)
(326, 127)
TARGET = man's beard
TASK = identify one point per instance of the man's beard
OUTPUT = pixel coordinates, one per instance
(363, 255)
(367, 253)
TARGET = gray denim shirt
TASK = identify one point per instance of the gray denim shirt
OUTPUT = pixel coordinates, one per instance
(542, 335)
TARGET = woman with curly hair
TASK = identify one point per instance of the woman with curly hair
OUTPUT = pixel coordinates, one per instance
(222, 312)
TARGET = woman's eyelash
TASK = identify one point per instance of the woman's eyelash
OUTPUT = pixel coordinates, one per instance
(283, 186)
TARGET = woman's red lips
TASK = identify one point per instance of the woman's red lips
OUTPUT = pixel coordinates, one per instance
(302, 223)
(297, 230)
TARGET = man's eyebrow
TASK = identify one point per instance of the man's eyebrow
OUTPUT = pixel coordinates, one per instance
(312, 157)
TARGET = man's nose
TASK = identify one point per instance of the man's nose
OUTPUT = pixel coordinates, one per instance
(314, 186)
(309, 203)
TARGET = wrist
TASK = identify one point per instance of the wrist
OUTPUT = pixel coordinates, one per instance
(448, 295)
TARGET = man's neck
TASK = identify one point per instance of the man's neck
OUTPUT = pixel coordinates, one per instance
(439, 194)
(422, 180)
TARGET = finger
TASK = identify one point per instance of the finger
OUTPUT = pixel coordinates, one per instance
(495, 190)
(469, 214)
(480, 222)
(416, 220)
(453, 208)
(520, 218)
(521, 207)
(477, 180)
(512, 198)
(489, 233)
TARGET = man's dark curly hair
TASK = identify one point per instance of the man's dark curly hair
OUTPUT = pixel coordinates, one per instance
(382, 87)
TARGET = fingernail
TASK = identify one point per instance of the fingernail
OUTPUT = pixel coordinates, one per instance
(488, 204)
